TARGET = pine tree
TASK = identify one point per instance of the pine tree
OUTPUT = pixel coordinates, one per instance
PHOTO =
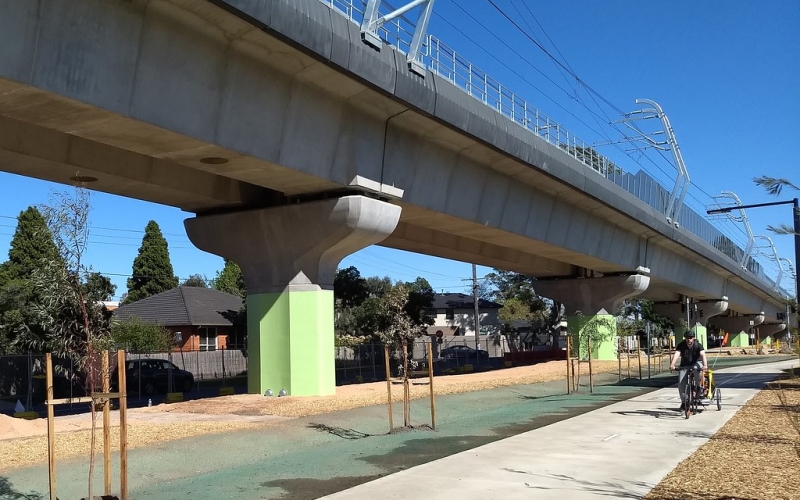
(31, 245)
(152, 269)
(32, 248)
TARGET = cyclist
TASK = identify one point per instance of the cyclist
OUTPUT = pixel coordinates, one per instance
(693, 357)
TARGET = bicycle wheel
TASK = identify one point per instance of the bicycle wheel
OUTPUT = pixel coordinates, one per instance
(687, 400)
(718, 398)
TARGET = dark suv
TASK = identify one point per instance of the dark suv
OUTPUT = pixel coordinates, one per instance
(150, 376)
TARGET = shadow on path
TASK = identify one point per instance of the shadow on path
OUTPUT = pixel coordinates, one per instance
(604, 488)
(340, 431)
(7, 492)
(657, 413)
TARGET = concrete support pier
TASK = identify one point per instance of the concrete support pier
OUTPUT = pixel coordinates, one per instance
(288, 255)
(700, 312)
(768, 332)
(594, 298)
(738, 328)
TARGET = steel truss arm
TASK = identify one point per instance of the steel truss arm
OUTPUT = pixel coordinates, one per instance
(776, 258)
(373, 21)
(678, 194)
(744, 220)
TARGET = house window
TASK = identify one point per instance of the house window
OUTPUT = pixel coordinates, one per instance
(450, 313)
(236, 339)
(208, 338)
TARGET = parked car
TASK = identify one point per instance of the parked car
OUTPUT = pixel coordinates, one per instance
(151, 376)
(463, 354)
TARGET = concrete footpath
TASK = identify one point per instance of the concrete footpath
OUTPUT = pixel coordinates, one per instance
(619, 451)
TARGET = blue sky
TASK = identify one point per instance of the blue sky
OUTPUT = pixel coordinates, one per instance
(726, 73)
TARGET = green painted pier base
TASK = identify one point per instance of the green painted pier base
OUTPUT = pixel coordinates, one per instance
(586, 300)
(290, 343)
(740, 339)
(604, 344)
(701, 334)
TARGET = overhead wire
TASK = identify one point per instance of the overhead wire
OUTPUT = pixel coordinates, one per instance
(566, 67)
(528, 82)
(367, 257)
(727, 228)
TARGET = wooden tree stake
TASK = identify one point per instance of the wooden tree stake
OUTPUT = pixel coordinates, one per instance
(430, 382)
(51, 457)
(389, 387)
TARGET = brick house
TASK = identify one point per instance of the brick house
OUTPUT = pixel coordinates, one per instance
(205, 318)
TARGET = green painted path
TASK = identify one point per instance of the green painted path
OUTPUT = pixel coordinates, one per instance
(311, 457)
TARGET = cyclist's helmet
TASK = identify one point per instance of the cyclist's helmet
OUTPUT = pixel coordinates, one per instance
(688, 334)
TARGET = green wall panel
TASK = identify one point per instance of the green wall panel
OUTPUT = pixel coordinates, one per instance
(605, 350)
(290, 343)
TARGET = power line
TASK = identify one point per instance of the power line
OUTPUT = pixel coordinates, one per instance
(529, 83)
(139, 231)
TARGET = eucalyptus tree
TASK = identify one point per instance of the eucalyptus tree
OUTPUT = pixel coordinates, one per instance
(68, 310)
(230, 280)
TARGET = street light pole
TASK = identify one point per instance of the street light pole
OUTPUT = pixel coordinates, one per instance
(796, 228)
(477, 313)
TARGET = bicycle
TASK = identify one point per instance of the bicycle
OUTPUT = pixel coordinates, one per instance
(691, 394)
(703, 393)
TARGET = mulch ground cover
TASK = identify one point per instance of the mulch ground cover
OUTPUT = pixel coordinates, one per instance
(755, 456)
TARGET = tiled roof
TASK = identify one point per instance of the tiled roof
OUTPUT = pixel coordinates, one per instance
(461, 301)
(184, 305)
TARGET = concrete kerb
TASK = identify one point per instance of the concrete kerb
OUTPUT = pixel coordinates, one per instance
(645, 435)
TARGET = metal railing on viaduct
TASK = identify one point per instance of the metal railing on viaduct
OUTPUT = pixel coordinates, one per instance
(447, 63)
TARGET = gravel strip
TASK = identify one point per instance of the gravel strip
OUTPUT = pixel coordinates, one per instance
(755, 456)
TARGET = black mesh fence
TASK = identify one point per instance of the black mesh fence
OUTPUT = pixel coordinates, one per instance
(198, 374)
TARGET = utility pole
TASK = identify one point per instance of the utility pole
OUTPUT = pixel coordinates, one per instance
(475, 300)
(688, 315)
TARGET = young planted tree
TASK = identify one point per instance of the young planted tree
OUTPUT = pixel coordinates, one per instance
(589, 331)
(152, 269)
(398, 330)
(586, 335)
(75, 324)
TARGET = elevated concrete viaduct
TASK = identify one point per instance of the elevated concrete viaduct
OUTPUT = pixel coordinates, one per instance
(237, 110)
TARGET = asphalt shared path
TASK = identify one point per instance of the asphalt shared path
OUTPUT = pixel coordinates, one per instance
(527, 441)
